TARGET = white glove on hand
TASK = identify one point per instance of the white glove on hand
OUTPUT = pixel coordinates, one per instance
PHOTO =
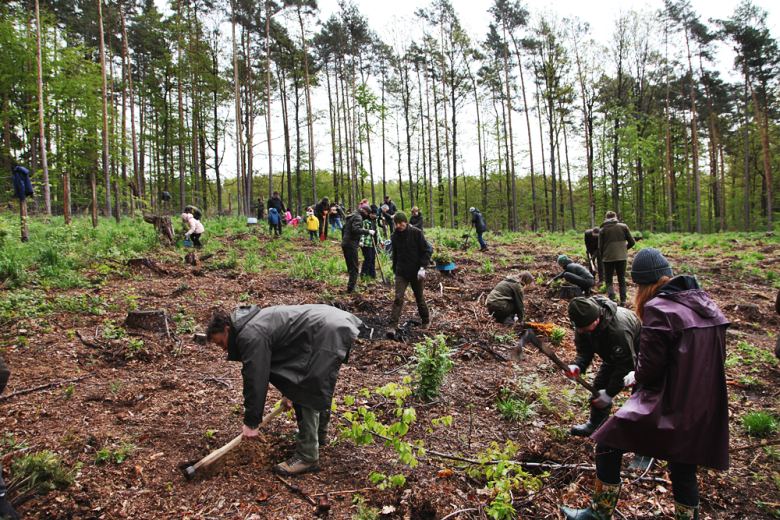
(603, 400)
(371, 232)
(573, 372)
(421, 273)
(629, 380)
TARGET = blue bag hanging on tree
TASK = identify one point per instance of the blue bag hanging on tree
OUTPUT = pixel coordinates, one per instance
(22, 185)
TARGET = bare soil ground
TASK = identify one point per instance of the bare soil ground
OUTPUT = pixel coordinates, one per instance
(175, 400)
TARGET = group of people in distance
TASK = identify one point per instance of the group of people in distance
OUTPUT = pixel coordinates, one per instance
(669, 351)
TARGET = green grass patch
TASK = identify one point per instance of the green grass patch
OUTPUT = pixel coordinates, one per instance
(759, 424)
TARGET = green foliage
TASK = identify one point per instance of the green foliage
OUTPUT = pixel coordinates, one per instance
(184, 324)
(68, 391)
(513, 408)
(42, 471)
(748, 355)
(557, 335)
(117, 456)
(433, 364)
(442, 256)
(364, 512)
(759, 424)
(110, 331)
(487, 267)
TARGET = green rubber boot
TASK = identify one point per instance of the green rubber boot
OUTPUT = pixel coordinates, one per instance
(605, 499)
(682, 512)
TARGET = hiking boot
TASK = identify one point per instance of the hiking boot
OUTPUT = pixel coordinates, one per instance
(425, 326)
(390, 334)
(597, 416)
(605, 499)
(296, 466)
(682, 512)
(483, 249)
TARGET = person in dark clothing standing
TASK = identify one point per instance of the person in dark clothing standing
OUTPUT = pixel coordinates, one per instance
(410, 256)
(392, 208)
(681, 413)
(479, 226)
(612, 332)
(417, 220)
(387, 216)
(367, 243)
(321, 211)
(276, 203)
(260, 209)
(350, 242)
(592, 250)
(614, 242)
(297, 348)
(575, 274)
(507, 300)
(6, 509)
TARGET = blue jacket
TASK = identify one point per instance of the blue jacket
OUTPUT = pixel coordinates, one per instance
(22, 185)
(478, 221)
(273, 217)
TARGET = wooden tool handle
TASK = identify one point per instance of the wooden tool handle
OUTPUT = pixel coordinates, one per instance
(218, 454)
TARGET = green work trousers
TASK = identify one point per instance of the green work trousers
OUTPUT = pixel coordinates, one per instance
(312, 432)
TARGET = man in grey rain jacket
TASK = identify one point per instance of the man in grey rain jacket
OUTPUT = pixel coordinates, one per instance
(297, 348)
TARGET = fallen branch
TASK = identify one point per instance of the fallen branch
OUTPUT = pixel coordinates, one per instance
(488, 349)
(88, 343)
(753, 446)
(42, 387)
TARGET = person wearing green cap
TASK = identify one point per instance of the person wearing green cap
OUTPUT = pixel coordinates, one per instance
(612, 332)
(575, 274)
(410, 255)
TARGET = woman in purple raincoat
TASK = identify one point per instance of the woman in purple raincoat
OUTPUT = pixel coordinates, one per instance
(681, 413)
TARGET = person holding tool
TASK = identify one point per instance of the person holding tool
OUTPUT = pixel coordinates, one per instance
(592, 250)
(574, 274)
(681, 413)
(297, 348)
(612, 332)
(350, 242)
(410, 255)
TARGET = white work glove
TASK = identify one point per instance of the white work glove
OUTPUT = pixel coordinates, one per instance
(629, 380)
(421, 273)
(573, 372)
(603, 400)
(371, 232)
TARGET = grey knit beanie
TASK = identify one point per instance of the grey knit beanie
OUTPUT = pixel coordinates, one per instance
(649, 266)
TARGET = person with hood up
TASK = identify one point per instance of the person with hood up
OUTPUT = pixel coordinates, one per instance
(615, 240)
(592, 251)
(195, 229)
(612, 332)
(275, 221)
(350, 242)
(312, 223)
(297, 348)
(506, 299)
(574, 274)
(681, 412)
(410, 254)
(479, 226)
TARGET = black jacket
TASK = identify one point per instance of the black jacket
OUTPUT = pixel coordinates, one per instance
(417, 221)
(297, 348)
(410, 252)
(322, 209)
(393, 209)
(615, 339)
(276, 202)
(353, 230)
(478, 221)
(5, 373)
(591, 242)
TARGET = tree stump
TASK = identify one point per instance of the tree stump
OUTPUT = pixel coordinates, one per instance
(148, 320)
(164, 228)
(191, 258)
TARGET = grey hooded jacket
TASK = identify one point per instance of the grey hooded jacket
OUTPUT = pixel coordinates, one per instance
(297, 348)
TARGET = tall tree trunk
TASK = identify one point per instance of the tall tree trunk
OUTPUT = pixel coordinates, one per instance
(106, 169)
(42, 136)
(668, 161)
(136, 171)
(695, 137)
(767, 164)
(308, 106)
(511, 134)
(530, 145)
(237, 98)
(568, 171)
(446, 132)
(268, 95)
(588, 137)
(747, 154)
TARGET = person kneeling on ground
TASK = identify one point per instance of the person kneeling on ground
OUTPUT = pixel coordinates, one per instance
(575, 274)
(506, 299)
(681, 413)
(612, 332)
(297, 348)
(195, 230)
(410, 255)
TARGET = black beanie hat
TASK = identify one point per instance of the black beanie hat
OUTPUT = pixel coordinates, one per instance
(583, 312)
(649, 266)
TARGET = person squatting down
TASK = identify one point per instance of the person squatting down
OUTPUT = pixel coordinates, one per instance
(575, 274)
(507, 300)
(194, 229)
(681, 413)
(612, 332)
(410, 255)
(297, 348)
